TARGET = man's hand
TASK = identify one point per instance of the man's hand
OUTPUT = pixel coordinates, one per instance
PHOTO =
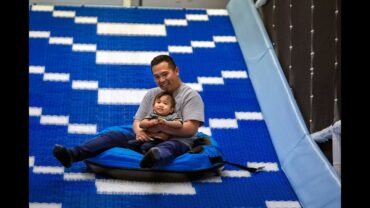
(187, 129)
(142, 136)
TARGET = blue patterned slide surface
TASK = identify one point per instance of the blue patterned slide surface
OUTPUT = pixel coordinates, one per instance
(89, 69)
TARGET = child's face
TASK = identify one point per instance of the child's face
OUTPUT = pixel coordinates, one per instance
(163, 106)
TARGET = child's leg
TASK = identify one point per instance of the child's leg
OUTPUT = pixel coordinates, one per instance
(159, 135)
(164, 153)
(147, 145)
(171, 149)
(162, 136)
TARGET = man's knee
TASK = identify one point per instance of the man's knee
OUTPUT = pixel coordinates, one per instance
(116, 135)
(113, 139)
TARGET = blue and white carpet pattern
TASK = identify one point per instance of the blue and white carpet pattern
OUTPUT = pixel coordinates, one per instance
(89, 69)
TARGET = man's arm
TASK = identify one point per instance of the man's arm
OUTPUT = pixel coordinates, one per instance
(141, 135)
(188, 129)
(147, 123)
(176, 124)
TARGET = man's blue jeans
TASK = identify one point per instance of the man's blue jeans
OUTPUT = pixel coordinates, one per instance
(169, 149)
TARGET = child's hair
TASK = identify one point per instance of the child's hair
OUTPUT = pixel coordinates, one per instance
(173, 102)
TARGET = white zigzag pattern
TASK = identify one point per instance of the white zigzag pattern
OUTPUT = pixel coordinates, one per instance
(94, 20)
(128, 57)
(63, 120)
(53, 77)
(114, 96)
(282, 204)
(44, 205)
(94, 85)
(231, 123)
(77, 128)
(105, 189)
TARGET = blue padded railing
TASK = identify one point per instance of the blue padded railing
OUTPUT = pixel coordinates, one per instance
(309, 172)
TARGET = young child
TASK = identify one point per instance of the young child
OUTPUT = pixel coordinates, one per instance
(163, 114)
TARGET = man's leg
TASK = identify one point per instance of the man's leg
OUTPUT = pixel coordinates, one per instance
(163, 153)
(135, 145)
(91, 148)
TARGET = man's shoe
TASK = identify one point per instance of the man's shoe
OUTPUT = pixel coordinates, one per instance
(63, 155)
(150, 158)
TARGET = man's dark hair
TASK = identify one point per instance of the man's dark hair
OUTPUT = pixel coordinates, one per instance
(161, 58)
(164, 93)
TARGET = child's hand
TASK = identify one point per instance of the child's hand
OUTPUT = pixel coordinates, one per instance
(161, 121)
(154, 126)
(153, 122)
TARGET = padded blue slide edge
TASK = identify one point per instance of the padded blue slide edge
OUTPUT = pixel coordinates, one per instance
(311, 175)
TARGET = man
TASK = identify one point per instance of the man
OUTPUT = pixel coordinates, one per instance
(189, 108)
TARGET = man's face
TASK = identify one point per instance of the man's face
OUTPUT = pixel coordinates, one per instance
(165, 77)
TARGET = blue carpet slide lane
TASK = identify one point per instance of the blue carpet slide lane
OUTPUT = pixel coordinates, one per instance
(89, 69)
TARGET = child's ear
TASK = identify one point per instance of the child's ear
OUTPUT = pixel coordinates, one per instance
(172, 110)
